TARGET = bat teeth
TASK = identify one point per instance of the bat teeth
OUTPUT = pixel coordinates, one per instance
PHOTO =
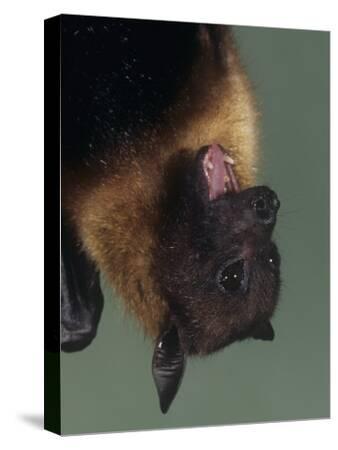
(210, 165)
(229, 160)
(226, 179)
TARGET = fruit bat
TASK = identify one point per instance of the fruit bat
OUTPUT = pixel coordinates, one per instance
(158, 146)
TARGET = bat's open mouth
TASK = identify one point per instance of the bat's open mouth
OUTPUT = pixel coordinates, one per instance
(218, 170)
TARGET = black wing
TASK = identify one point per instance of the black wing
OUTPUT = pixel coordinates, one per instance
(168, 367)
(81, 296)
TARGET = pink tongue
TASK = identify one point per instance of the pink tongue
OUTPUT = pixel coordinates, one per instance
(216, 157)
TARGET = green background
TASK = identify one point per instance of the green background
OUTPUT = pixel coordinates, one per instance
(109, 385)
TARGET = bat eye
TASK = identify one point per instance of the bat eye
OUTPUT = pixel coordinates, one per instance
(231, 278)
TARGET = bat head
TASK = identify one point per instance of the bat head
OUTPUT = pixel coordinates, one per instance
(217, 266)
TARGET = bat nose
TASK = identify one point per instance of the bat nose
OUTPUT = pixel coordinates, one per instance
(265, 205)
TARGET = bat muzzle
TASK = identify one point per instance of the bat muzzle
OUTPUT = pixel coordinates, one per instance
(265, 205)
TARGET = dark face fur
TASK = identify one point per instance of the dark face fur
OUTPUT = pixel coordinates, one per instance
(218, 268)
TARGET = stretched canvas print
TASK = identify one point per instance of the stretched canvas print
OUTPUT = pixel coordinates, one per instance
(187, 224)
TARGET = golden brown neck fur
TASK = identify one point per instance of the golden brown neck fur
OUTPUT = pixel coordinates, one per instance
(114, 206)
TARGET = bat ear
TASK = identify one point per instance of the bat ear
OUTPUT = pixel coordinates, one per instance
(168, 366)
(264, 331)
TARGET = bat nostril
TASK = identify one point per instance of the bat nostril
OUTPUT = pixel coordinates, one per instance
(264, 214)
(260, 205)
(275, 203)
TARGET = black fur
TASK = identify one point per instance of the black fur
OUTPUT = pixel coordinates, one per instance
(118, 76)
